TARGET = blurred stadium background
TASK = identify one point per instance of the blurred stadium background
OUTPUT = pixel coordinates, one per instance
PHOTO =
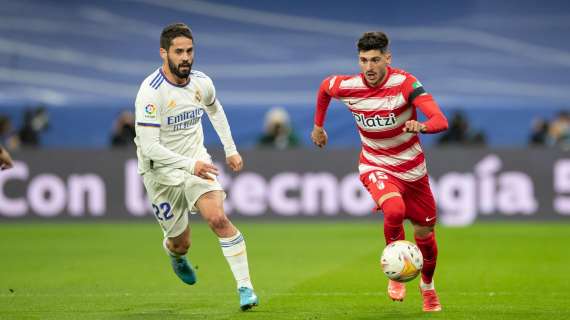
(69, 73)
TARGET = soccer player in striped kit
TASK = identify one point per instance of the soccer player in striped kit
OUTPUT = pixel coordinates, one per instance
(384, 103)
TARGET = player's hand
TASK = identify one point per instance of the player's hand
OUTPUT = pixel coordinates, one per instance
(5, 160)
(205, 170)
(319, 136)
(414, 126)
(235, 162)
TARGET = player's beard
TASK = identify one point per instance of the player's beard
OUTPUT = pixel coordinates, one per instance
(176, 69)
(381, 75)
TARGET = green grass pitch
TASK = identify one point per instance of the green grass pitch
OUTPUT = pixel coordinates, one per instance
(300, 271)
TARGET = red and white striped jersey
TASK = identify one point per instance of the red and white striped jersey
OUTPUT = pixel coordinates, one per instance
(380, 113)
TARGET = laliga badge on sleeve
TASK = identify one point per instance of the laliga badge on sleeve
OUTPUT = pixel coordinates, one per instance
(150, 111)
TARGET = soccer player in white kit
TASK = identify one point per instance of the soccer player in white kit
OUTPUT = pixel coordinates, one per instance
(177, 170)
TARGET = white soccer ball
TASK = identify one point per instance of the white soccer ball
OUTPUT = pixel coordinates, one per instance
(402, 261)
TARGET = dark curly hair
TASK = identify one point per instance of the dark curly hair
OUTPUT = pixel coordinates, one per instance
(376, 40)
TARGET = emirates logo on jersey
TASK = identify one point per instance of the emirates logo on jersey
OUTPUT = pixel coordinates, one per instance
(374, 122)
(185, 120)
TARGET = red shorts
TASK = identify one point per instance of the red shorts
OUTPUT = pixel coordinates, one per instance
(417, 195)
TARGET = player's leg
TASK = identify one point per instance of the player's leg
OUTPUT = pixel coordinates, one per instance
(425, 239)
(386, 193)
(176, 248)
(170, 210)
(210, 205)
(394, 209)
(178, 245)
(422, 212)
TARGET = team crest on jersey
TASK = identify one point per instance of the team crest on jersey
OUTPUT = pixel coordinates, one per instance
(198, 96)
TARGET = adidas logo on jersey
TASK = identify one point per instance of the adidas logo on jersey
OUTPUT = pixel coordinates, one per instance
(374, 122)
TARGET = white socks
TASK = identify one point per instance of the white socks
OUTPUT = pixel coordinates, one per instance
(235, 252)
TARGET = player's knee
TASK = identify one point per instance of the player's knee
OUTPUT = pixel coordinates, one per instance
(422, 232)
(218, 222)
(394, 210)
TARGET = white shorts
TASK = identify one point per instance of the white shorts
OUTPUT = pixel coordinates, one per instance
(171, 204)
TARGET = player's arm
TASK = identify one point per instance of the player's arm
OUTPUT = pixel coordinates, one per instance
(148, 132)
(220, 123)
(5, 159)
(149, 138)
(436, 120)
(319, 135)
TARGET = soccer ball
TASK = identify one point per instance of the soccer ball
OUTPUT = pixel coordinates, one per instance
(402, 261)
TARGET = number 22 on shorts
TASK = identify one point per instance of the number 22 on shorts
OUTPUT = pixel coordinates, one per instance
(162, 211)
(377, 177)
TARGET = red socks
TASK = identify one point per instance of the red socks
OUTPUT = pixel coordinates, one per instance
(394, 211)
(428, 247)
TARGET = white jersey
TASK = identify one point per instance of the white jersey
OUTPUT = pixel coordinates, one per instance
(169, 135)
